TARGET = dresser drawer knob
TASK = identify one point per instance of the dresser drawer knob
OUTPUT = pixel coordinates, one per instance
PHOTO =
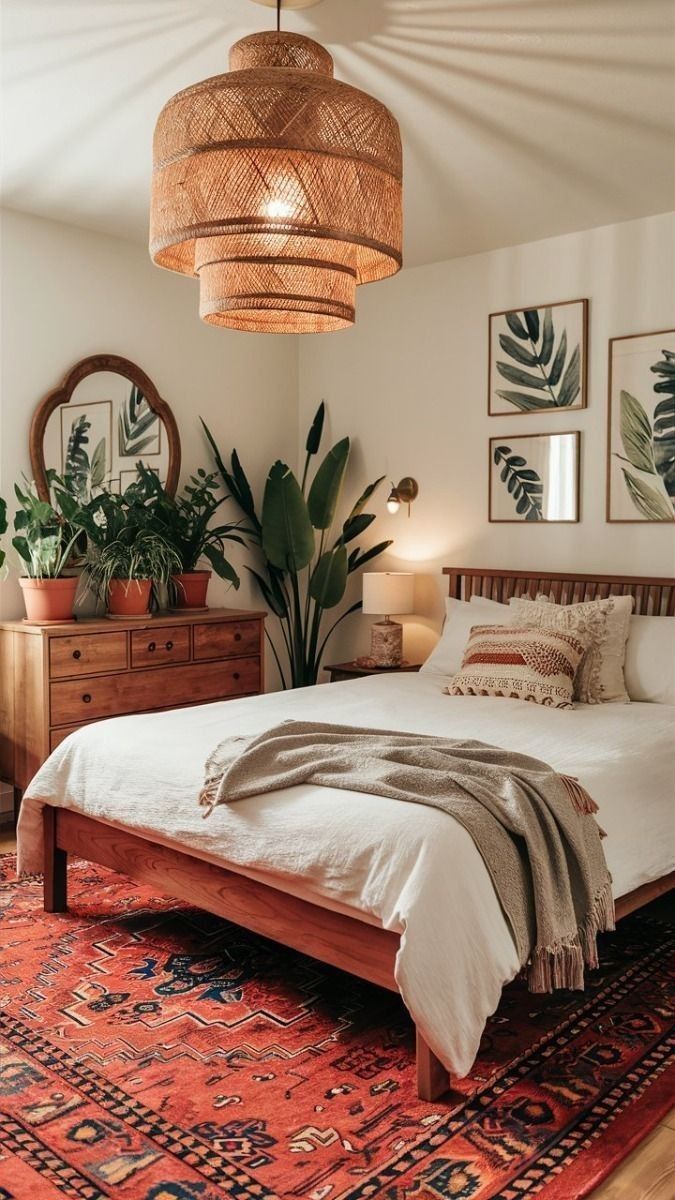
(87, 698)
(236, 675)
(151, 646)
(169, 646)
(77, 654)
(237, 637)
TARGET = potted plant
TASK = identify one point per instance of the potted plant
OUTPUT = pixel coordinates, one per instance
(3, 526)
(308, 552)
(127, 557)
(46, 534)
(185, 522)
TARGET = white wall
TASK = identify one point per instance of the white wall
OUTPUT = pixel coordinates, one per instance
(409, 383)
(67, 293)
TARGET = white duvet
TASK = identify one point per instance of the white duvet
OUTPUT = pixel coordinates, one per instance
(412, 869)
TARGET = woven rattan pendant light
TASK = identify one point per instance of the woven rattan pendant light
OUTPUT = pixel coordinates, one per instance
(279, 187)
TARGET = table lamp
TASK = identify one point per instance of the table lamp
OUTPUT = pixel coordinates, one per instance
(387, 593)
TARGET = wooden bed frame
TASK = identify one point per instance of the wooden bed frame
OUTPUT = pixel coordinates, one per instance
(348, 942)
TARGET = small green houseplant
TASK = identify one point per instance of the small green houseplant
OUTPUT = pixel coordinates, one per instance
(185, 521)
(127, 558)
(46, 533)
(307, 552)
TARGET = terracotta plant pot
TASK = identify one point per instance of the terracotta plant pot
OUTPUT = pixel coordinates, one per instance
(49, 599)
(129, 597)
(190, 588)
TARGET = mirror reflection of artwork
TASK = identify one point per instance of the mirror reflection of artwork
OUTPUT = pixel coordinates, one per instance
(538, 358)
(102, 432)
(86, 446)
(534, 477)
(641, 459)
(138, 427)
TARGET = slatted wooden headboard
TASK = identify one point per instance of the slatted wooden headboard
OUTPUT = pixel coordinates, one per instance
(653, 597)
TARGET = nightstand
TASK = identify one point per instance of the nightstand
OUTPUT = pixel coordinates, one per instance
(352, 670)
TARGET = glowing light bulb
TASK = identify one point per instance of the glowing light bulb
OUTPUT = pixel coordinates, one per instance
(279, 208)
(393, 503)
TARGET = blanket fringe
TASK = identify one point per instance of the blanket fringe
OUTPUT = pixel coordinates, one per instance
(562, 966)
(583, 803)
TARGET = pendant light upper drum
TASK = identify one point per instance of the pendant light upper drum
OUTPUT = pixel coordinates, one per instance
(278, 186)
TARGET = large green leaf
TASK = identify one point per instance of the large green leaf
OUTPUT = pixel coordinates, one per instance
(524, 402)
(325, 490)
(636, 434)
(547, 338)
(664, 443)
(98, 465)
(355, 526)
(287, 534)
(358, 559)
(652, 505)
(532, 321)
(521, 355)
(220, 564)
(364, 498)
(570, 386)
(516, 326)
(316, 429)
(329, 580)
(274, 597)
(522, 378)
(559, 361)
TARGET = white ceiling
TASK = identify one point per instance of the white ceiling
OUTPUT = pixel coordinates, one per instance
(521, 118)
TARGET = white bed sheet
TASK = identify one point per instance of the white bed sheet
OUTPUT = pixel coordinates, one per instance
(412, 869)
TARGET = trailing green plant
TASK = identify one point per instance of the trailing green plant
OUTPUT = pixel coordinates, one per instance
(523, 483)
(123, 539)
(46, 531)
(185, 521)
(132, 556)
(306, 562)
(649, 446)
(549, 378)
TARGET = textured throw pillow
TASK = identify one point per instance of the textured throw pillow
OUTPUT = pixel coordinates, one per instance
(650, 660)
(531, 663)
(604, 625)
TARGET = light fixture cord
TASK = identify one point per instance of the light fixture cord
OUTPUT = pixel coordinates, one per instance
(278, 16)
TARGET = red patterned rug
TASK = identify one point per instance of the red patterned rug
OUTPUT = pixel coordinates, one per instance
(153, 1052)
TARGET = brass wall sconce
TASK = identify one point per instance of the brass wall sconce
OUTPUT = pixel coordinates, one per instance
(404, 492)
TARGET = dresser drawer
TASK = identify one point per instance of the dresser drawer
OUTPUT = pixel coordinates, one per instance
(73, 701)
(56, 736)
(85, 653)
(156, 647)
(216, 640)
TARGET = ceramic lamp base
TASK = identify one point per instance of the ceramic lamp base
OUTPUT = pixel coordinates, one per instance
(386, 643)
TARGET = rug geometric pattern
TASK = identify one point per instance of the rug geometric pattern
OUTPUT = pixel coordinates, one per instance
(150, 1051)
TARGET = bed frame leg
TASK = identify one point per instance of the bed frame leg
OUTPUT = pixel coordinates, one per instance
(56, 866)
(433, 1080)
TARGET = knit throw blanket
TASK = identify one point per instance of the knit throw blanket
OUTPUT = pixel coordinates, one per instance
(534, 828)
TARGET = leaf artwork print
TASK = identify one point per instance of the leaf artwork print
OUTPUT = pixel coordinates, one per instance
(138, 426)
(85, 475)
(522, 483)
(544, 369)
(649, 445)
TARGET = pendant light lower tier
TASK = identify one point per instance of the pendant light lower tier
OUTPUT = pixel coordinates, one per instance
(279, 187)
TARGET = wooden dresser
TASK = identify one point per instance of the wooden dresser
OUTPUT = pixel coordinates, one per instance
(55, 678)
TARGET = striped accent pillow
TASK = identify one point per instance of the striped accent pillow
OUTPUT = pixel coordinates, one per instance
(528, 663)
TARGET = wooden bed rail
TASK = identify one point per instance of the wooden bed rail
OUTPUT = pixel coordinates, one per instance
(653, 595)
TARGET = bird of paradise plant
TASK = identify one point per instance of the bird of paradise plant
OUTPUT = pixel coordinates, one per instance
(305, 549)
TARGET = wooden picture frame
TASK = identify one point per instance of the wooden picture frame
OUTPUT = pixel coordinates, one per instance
(61, 395)
(510, 484)
(637, 491)
(514, 353)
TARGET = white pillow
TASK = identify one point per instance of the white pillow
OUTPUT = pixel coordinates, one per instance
(650, 659)
(446, 657)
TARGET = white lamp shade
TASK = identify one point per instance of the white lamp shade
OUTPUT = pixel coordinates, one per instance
(388, 592)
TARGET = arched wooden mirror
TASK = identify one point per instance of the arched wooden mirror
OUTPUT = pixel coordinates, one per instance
(105, 416)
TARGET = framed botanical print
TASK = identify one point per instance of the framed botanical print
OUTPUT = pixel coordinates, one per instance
(538, 358)
(534, 477)
(641, 428)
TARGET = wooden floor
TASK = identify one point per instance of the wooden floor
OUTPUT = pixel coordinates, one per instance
(647, 1174)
